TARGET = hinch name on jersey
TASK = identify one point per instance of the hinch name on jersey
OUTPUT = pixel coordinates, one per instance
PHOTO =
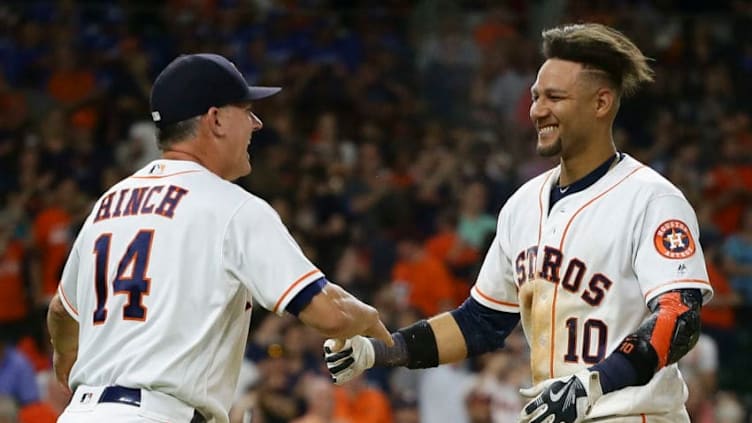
(154, 199)
(551, 267)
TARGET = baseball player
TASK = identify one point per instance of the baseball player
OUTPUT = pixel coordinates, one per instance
(599, 257)
(151, 316)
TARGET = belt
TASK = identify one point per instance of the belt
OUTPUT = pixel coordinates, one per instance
(132, 396)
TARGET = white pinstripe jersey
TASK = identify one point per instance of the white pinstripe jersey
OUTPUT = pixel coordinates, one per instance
(581, 275)
(161, 277)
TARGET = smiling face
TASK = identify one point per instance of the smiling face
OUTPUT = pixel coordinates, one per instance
(560, 110)
(242, 122)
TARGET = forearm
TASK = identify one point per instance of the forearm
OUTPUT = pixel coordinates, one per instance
(337, 314)
(426, 343)
(449, 339)
(62, 327)
(469, 330)
(666, 336)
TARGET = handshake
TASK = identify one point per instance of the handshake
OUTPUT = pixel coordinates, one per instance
(568, 399)
(413, 347)
(348, 359)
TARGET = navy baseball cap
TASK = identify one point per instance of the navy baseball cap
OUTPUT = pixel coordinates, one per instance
(193, 83)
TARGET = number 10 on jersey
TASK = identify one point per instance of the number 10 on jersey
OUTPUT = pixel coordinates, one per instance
(594, 333)
(130, 278)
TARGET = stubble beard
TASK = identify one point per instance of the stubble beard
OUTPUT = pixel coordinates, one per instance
(551, 150)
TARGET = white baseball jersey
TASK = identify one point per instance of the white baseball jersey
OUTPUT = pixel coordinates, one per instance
(581, 275)
(161, 279)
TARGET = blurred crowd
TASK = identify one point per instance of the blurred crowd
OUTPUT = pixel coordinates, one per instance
(401, 131)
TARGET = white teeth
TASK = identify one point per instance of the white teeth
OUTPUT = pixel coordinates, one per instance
(547, 129)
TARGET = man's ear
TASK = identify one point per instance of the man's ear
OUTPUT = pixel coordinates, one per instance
(606, 102)
(215, 121)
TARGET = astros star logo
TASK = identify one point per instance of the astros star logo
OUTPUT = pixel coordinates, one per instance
(673, 240)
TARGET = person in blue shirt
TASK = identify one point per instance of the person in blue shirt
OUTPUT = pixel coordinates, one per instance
(17, 376)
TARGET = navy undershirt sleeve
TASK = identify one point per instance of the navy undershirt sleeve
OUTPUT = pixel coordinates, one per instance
(304, 297)
(484, 329)
(616, 373)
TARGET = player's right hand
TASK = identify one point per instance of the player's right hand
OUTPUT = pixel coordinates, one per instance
(563, 400)
(348, 359)
(62, 365)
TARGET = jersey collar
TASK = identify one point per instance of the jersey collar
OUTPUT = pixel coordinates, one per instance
(557, 192)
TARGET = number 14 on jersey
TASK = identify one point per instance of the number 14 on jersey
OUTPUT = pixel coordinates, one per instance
(130, 279)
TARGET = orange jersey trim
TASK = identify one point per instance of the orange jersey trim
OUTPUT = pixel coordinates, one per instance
(65, 298)
(561, 248)
(493, 300)
(291, 287)
(704, 282)
(165, 176)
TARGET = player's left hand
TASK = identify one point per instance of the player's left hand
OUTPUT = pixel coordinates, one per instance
(566, 400)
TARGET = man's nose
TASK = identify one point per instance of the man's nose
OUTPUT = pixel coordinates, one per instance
(257, 123)
(537, 111)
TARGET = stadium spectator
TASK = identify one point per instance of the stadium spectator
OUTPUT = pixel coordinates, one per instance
(737, 253)
(18, 382)
(700, 367)
(361, 403)
(423, 281)
(14, 301)
(8, 410)
(319, 396)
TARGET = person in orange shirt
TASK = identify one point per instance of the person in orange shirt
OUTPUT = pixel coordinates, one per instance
(719, 315)
(447, 246)
(74, 87)
(53, 238)
(422, 280)
(14, 107)
(719, 312)
(460, 258)
(494, 29)
(361, 403)
(14, 305)
(729, 187)
(38, 412)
